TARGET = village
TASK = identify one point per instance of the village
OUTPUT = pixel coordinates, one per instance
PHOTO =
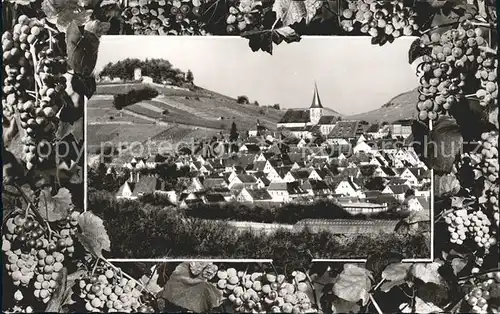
(364, 168)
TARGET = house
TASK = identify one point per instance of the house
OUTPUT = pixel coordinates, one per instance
(263, 156)
(398, 191)
(191, 199)
(298, 175)
(401, 128)
(316, 188)
(249, 148)
(344, 132)
(256, 195)
(347, 187)
(143, 185)
(286, 191)
(211, 183)
(243, 181)
(327, 123)
(213, 198)
(415, 203)
(126, 191)
(415, 176)
(196, 185)
(362, 147)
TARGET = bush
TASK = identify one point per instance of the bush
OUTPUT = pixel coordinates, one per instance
(135, 95)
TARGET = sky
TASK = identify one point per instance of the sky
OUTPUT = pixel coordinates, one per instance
(353, 76)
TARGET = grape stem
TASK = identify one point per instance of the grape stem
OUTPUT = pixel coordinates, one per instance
(377, 307)
(35, 72)
(491, 25)
(488, 49)
(439, 26)
(479, 274)
(313, 288)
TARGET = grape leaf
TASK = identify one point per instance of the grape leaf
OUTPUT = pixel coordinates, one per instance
(54, 208)
(13, 170)
(65, 12)
(193, 294)
(151, 284)
(458, 264)
(82, 49)
(292, 11)
(446, 185)
(428, 272)
(353, 284)
(54, 305)
(377, 262)
(342, 306)
(493, 117)
(97, 27)
(93, 235)
(421, 307)
(445, 143)
(388, 285)
(396, 271)
(417, 50)
(83, 85)
(10, 129)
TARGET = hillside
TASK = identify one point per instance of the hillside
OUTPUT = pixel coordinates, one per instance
(403, 106)
(175, 115)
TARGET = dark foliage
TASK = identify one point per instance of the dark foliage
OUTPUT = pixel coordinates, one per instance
(135, 95)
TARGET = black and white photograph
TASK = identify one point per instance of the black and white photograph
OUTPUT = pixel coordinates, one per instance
(248, 156)
(242, 155)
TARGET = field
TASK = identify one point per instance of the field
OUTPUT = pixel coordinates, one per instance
(174, 115)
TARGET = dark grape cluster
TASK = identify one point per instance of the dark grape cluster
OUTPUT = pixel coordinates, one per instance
(161, 17)
(379, 19)
(484, 297)
(243, 16)
(107, 291)
(264, 293)
(33, 85)
(445, 70)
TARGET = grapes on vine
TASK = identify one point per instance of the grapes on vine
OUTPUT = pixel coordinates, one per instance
(106, 290)
(150, 17)
(484, 297)
(243, 16)
(452, 56)
(264, 292)
(379, 19)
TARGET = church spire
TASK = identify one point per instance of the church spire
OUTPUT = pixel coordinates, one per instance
(316, 103)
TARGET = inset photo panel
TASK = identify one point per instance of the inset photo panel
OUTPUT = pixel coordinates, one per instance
(199, 148)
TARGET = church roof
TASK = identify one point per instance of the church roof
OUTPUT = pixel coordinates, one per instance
(328, 120)
(316, 102)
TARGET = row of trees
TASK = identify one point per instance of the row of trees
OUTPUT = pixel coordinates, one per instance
(244, 100)
(160, 70)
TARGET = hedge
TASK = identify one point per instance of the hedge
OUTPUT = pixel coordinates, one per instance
(135, 95)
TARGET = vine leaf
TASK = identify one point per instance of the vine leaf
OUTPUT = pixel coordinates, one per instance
(457, 264)
(93, 235)
(54, 208)
(493, 117)
(446, 143)
(82, 49)
(446, 185)
(427, 272)
(151, 284)
(63, 13)
(292, 11)
(396, 271)
(377, 262)
(353, 284)
(56, 301)
(10, 129)
(342, 306)
(193, 294)
(421, 307)
(13, 169)
(417, 50)
(97, 27)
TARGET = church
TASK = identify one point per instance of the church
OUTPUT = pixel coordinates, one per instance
(304, 123)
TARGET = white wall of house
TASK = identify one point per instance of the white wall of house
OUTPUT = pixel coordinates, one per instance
(345, 188)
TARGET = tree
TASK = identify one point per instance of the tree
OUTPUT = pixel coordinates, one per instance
(233, 136)
(256, 103)
(189, 76)
(276, 106)
(242, 100)
(375, 184)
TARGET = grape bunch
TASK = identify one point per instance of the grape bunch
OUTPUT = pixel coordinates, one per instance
(379, 19)
(488, 165)
(264, 293)
(485, 295)
(34, 85)
(106, 291)
(453, 55)
(161, 17)
(474, 225)
(21, 236)
(67, 231)
(50, 263)
(243, 16)
(487, 73)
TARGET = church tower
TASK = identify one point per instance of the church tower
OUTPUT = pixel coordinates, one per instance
(316, 109)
